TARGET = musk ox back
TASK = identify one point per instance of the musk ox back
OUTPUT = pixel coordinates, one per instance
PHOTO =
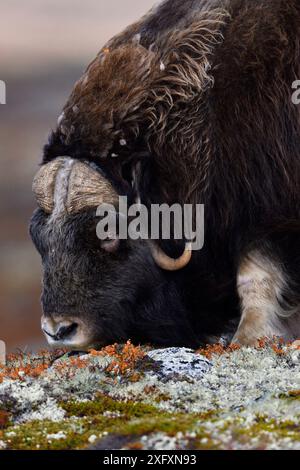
(190, 105)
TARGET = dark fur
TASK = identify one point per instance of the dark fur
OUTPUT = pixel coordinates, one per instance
(218, 127)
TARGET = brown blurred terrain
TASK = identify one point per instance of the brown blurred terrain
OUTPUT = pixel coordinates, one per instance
(44, 48)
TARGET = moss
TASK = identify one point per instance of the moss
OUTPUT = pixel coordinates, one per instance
(104, 403)
(205, 431)
(135, 418)
(77, 432)
(281, 428)
(35, 435)
(85, 419)
(163, 422)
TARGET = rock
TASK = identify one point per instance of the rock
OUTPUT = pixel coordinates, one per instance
(180, 361)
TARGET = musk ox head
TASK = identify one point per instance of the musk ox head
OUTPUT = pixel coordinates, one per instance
(97, 292)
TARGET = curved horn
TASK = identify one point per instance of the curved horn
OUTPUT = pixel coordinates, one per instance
(44, 184)
(88, 189)
(76, 185)
(170, 264)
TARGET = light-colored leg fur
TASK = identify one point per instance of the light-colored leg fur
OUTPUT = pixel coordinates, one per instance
(260, 285)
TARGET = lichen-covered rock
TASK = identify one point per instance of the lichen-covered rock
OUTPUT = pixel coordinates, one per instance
(138, 398)
(180, 362)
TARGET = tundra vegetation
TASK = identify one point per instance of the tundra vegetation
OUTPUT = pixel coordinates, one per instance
(130, 397)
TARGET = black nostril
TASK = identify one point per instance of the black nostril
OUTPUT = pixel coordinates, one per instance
(65, 331)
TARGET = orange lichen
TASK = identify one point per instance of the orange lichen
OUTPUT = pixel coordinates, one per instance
(275, 343)
(279, 351)
(124, 360)
(262, 343)
(21, 365)
(22, 371)
(68, 368)
(218, 349)
(76, 363)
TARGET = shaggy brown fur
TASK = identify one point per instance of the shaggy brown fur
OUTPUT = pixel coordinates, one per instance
(129, 91)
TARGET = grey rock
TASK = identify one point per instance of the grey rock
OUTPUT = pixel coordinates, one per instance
(180, 361)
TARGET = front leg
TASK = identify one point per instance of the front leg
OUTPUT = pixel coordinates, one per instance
(260, 284)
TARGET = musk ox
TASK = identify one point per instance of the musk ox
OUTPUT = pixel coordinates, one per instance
(191, 104)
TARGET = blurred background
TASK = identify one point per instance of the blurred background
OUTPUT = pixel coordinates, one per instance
(44, 48)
